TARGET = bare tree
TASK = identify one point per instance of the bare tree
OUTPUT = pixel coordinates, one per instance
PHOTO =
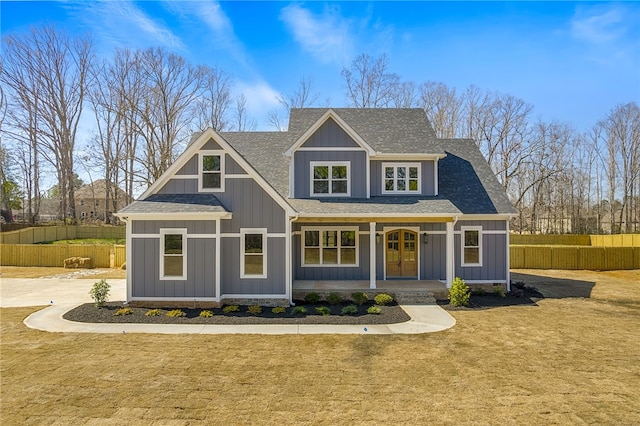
(213, 105)
(304, 96)
(368, 82)
(243, 122)
(51, 68)
(443, 108)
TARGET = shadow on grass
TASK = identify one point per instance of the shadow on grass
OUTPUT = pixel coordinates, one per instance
(527, 290)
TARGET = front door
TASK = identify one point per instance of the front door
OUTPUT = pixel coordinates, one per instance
(402, 255)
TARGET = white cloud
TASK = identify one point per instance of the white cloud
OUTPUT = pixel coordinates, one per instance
(260, 96)
(599, 24)
(325, 36)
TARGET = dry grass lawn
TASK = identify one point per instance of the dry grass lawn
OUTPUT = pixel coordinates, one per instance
(35, 272)
(568, 360)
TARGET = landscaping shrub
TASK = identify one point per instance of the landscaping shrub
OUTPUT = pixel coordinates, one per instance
(312, 298)
(383, 299)
(254, 310)
(374, 310)
(459, 293)
(205, 314)
(298, 310)
(498, 291)
(153, 313)
(323, 310)
(334, 299)
(100, 293)
(123, 311)
(231, 308)
(279, 310)
(359, 297)
(176, 313)
(350, 310)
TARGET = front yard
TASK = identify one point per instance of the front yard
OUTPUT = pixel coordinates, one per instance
(571, 358)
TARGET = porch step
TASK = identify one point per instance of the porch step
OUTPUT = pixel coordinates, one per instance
(415, 297)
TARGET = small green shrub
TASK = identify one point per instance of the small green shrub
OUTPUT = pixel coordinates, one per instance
(298, 310)
(323, 310)
(100, 293)
(499, 291)
(334, 299)
(254, 310)
(374, 310)
(279, 310)
(350, 310)
(479, 292)
(359, 297)
(205, 314)
(123, 311)
(153, 312)
(459, 293)
(312, 298)
(231, 308)
(176, 313)
(383, 299)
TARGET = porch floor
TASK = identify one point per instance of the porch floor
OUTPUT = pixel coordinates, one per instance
(401, 289)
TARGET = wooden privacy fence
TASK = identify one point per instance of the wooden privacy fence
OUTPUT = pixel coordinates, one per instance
(102, 256)
(574, 257)
(621, 240)
(40, 234)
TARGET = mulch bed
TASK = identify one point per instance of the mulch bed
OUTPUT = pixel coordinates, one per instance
(390, 314)
(524, 295)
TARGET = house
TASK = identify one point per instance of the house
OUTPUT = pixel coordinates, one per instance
(345, 196)
(92, 203)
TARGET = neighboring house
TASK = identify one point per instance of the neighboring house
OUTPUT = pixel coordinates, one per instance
(345, 195)
(91, 202)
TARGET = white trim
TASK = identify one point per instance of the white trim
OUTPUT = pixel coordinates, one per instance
(490, 217)
(463, 262)
(339, 216)
(238, 176)
(330, 165)
(253, 231)
(141, 236)
(378, 156)
(386, 230)
(129, 258)
(450, 254)
(485, 281)
(172, 216)
(253, 296)
(436, 184)
(508, 259)
(330, 148)
(372, 255)
(211, 153)
(291, 179)
(485, 232)
(311, 130)
(184, 177)
(217, 260)
(407, 191)
(277, 235)
(173, 231)
(189, 236)
(288, 261)
(199, 236)
(367, 172)
(435, 232)
(339, 247)
(173, 299)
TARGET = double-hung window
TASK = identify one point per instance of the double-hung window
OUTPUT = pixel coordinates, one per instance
(471, 245)
(173, 254)
(330, 178)
(211, 171)
(401, 178)
(253, 253)
(329, 247)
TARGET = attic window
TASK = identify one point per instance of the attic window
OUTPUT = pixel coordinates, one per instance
(401, 178)
(329, 179)
(211, 166)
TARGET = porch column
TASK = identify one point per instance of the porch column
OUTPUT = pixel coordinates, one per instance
(450, 254)
(372, 255)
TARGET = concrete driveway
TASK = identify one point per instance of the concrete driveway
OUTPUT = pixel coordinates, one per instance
(16, 292)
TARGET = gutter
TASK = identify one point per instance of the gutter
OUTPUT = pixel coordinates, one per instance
(289, 260)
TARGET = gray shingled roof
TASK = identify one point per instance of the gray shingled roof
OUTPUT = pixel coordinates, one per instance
(386, 130)
(175, 203)
(379, 206)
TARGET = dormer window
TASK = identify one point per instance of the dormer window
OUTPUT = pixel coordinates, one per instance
(401, 178)
(330, 178)
(211, 171)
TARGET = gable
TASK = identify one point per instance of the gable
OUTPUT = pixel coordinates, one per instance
(330, 135)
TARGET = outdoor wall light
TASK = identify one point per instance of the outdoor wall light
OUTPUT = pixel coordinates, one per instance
(425, 238)
(378, 238)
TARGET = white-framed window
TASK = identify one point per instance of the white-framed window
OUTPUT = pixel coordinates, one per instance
(330, 246)
(401, 178)
(471, 245)
(330, 178)
(173, 254)
(211, 171)
(253, 253)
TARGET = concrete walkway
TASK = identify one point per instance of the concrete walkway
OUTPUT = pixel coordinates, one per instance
(63, 295)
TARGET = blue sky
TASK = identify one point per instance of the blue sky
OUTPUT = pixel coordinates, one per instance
(573, 61)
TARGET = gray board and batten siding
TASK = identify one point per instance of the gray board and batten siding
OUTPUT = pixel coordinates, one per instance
(357, 170)
(427, 184)
(494, 251)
